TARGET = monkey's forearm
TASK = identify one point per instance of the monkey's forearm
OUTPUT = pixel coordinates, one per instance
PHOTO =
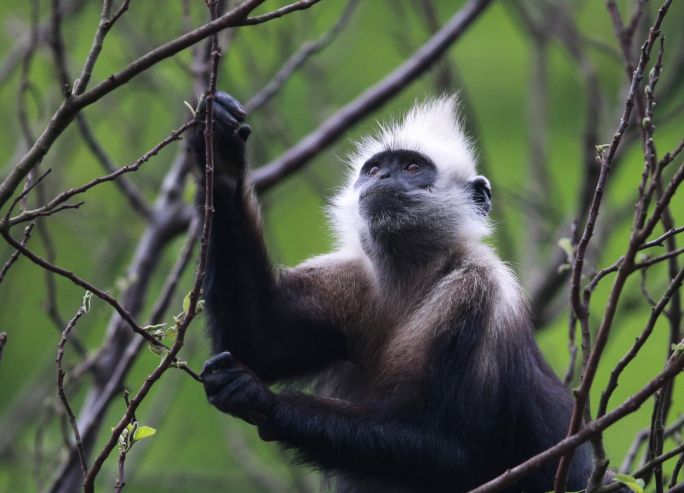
(335, 435)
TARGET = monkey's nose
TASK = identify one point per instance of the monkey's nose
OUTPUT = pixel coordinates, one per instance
(384, 174)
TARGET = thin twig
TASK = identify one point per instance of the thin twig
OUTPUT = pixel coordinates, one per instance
(638, 344)
(131, 192)
(23, 194)
(655, 260)
(15, 256)
(3, 341)
(582, 311)
(191, 312)
(633, 403)
(299, 58)
(370, 100)
(120, 483)
(84, 284)
(62, 393)
(106, 23)
(675, 471)
(259, 19)
(64, 196)
(71, 106)
(659, 241)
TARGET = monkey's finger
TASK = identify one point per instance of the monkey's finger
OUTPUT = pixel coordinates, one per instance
(244, 132)
(224, 119)
(218, 362)
(231, 105)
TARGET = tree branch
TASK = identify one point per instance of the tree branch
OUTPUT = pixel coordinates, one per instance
(62, 393)
(370, 100)
(15, 256)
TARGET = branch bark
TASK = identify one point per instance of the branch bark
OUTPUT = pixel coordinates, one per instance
(370, 100)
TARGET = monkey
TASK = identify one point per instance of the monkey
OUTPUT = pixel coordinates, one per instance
(416, 337)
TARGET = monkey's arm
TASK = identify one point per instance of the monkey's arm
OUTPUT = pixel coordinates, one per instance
(365, 438)
(271, 323)
(400, 439)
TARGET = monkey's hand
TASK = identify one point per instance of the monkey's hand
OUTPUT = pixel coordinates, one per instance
(229, 137)
(235, 391)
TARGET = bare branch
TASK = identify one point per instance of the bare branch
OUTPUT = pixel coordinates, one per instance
(64, 196)
(259, 19)
(299, 58)
(130, 191)
(72, 105)
(582, 311)
(62, 393)
(511, 476)
(15, 256)
(84, 284)
(3, 342)
(655, 260)
(631, 354)
(24, 193)
(659, 241)
(190, 313)
(370, 100)
(106, 23)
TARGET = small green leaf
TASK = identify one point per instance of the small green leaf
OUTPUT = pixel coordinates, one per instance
(678, 349)
(192, 110)
(86, 301)
(566, 245)
(186, 302)
(200, 307)
(641, 482)
(630, 482)
(143, 432)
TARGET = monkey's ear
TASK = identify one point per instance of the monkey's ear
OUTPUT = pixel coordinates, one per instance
(482, 194)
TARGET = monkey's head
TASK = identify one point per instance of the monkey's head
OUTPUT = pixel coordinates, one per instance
(414, 180)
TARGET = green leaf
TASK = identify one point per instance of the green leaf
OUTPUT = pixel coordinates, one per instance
(86, 301)
(630, 482)
(186, 302)
(143, 432)
(678, 349)
(566, 245)
(200, 307)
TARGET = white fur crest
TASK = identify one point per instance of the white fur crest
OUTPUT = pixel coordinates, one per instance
(433, 129)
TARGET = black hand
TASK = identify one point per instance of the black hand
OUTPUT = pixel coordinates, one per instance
(229, 139)
(235, 391)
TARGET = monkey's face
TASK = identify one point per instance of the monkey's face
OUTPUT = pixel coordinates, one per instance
(392, 185)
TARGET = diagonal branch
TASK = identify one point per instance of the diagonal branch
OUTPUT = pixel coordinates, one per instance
(370, 100)
(299, 58)
(75, 103)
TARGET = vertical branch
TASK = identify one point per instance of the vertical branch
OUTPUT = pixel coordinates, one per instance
(62, 393)
(3, 341)
(88, 484)
(636, 239)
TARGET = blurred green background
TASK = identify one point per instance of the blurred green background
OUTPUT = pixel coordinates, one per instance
(196, 448)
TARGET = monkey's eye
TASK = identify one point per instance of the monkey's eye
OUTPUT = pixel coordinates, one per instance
(412, 167)
(373, 170)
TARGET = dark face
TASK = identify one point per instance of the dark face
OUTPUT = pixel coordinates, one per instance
(388, 181)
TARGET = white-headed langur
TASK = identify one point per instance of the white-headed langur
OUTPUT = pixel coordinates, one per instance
(415, 335)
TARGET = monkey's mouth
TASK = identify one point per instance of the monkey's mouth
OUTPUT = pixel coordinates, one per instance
(388, 192)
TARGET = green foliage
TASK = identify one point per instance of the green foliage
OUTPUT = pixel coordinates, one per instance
(636, 485)
(491, 65)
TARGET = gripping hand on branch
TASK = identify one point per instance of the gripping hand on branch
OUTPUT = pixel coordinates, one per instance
(230, 162)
